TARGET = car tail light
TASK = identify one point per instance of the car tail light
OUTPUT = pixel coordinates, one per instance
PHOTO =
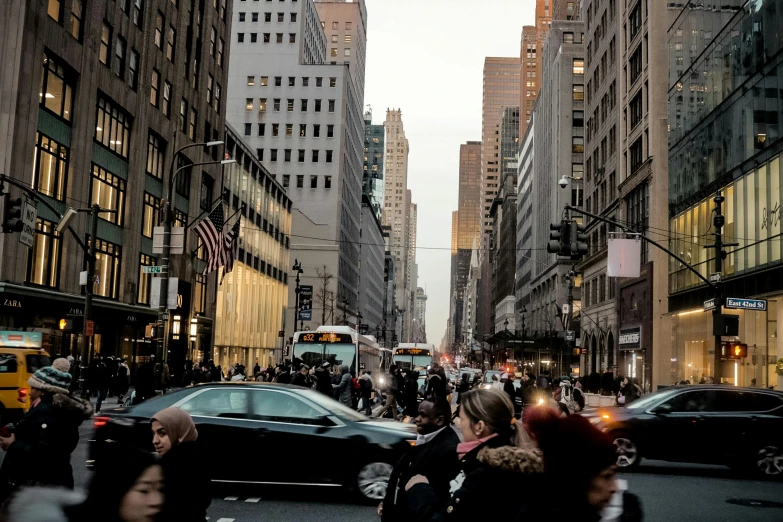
(22, 395)
(412, 442)
(100, 422)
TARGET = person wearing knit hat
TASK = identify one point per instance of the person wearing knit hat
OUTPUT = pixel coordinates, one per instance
(39, 450)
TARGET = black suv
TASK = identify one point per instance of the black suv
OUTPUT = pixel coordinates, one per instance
(711, 424)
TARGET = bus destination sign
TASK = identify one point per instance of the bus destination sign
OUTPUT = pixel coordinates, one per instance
(411, 351)
(325, 337)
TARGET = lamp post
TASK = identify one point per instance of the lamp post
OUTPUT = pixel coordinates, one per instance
(167, 220)
(297, 316)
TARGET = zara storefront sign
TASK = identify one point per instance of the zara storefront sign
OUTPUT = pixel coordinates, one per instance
(630, 338)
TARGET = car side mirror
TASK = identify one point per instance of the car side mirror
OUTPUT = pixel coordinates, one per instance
(662, 409)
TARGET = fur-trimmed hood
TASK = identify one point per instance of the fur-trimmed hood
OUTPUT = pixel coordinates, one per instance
(78, 408)
(513, 459)
(43, 505)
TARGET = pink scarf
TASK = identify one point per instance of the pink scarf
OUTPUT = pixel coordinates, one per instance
(463, 448)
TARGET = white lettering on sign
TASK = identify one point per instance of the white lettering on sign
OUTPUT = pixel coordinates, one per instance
(631, 338)
(29, 215)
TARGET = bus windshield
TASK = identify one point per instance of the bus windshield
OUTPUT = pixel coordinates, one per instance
(407, 362)
(315, 354)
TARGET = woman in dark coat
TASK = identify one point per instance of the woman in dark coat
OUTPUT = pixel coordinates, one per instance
(188, 487)
(496, 461)
(38, 452)
(411, 394)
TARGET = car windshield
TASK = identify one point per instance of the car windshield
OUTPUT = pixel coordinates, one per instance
(333, 406)
(488, 376)
(647, 400)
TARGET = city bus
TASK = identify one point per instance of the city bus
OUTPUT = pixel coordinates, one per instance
(340, 345)
(413, 356)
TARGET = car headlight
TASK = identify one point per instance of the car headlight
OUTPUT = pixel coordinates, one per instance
(595, 420)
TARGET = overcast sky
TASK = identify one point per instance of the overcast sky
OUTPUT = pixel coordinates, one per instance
(426, 57)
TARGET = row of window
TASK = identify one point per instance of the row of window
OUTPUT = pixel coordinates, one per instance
(301, 154)
(267, 37)
(254, 17)
(288, 130)
(290, 103)
(300, 179)
(264, 81)
(75, 21)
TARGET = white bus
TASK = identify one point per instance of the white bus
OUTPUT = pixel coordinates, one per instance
(413, 356)
(340, 345)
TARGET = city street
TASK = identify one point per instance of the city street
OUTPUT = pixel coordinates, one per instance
(668, 491)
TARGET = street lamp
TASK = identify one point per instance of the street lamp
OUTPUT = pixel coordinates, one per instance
(168, 215)
(298, 269)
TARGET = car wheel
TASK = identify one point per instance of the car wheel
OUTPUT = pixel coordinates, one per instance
(628, 456)
(768, 462)
(372, 481)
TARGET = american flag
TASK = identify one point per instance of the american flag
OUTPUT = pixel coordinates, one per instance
(230, 248)
(210, 230)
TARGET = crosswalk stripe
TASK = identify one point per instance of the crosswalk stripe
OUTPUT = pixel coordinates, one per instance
(253, 499)
(226, 520)
(230, 498)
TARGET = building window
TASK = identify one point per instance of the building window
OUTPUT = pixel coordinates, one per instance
(154, 86)
(248, 129)
(221, 44)
(315, 156)
(260, 154)
(137, 12)
(192, 121)
(290, 105)
(636, 110)
(299, 181)
(105, 44)
(107, 269)
(213, 38)
(160, 22)
(275, 129)
(636, 65)
(579, 66)
(330, 131)
(210, 86)
(635, 21)
(578, 118)
(273, 155)
(76, 20)
(577, 144)
(333, 52)
(50, 167)
(56, 94)
(279, 38)
(264, 81)
(150, 217)
(261, 129)
(301, 156)
(240, 37)
(108, 191)
(145, 280)
(347, 38)
(251, 81)
(317, 105)
(286, 180)
(253, 37)
(156, 149)
(54, 10)
(331, 105)
(262, 105)
(182, 185)
(183, 114)
(287, 155)
(171, 42)
(112, 129)
(248, 104)
(328, 182)
(316, 131)
(347, 51)
(302, 130)
(328, 156)
(636, 155)
(577, 170)
(165, 107)
(333, 82)
(207, 191)
(43, 260)
(133, 69)
(319, 82)
(289, 130)
(578, 92)
(291, 37)
(200, 293)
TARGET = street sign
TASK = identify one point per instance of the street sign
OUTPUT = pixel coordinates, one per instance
(89, 328)
(570, 335)
(759, 305)
(709, 304)
(29, 215)
(715, 278)
(566, 308)
(287, 350)
(152, 269)
(306, 303)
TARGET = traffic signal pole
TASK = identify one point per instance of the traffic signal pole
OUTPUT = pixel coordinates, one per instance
(88, 291)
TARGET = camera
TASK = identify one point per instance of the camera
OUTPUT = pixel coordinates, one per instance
(563, 182)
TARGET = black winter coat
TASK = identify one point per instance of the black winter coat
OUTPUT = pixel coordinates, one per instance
(323, 382)
(45, 438)
(493, 470)
(437, 460)
(188, 491)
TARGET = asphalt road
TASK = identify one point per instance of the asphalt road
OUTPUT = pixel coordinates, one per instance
(668, 492)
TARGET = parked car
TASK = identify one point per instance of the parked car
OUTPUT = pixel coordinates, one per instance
(277, 432)
(712, 424)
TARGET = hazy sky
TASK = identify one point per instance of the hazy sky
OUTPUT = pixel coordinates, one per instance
(426, 57)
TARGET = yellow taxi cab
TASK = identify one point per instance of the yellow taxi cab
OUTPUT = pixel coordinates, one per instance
(20, 357)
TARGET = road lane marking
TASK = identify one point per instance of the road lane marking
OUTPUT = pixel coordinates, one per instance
(226, 520)
(253, 499)
(230, 498)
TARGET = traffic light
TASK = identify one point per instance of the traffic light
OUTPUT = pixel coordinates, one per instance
(559, 242)
(734, 350)
(578, 240)
(12, 214)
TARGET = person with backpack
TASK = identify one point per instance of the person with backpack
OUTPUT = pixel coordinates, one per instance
(366, 386)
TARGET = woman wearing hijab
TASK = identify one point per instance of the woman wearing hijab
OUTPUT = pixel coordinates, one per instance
(188, 487)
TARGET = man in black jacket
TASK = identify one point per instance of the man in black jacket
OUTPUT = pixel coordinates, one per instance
(434, 456)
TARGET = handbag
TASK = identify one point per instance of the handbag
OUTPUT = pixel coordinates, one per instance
(620, 399)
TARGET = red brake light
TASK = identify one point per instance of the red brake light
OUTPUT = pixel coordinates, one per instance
(100, 422)
(22, 397)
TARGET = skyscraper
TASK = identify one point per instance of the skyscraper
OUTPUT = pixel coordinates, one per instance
(501, 89)
(374, 148)
(300, 109)
(530, 55)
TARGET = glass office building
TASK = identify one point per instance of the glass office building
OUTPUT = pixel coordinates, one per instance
(725, 112)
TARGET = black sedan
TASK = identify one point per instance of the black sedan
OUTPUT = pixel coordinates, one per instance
(272, 434)
(710, 424)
